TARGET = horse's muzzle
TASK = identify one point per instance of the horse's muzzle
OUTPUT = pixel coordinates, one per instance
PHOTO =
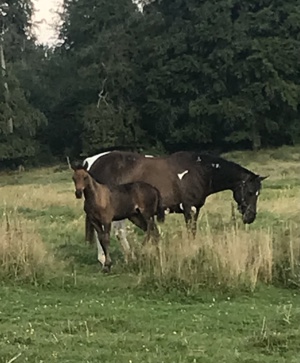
(249, 217)
(78, 194)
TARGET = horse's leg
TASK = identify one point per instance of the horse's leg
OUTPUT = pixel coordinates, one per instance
(89, 230)
(100, 253)
(195, 215)
(120, 232)
(91, 235)
(152, 230)
(140, 222)
(104, 236)
(187, 212)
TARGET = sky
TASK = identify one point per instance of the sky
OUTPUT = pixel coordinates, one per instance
(45, 19)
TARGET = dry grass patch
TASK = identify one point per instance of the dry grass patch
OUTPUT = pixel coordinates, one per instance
(38, 196)
(23, 254)
(229, 257)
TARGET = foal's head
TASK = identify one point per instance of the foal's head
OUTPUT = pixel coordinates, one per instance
(80, 178)
(246, 194)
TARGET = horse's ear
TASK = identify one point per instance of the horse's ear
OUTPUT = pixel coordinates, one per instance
(261, 178)
(76, 165)
(85, 166)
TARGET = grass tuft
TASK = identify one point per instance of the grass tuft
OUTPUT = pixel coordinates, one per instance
(23, 255)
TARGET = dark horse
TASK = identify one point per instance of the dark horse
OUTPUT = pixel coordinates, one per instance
(138, 201)
(184, 179)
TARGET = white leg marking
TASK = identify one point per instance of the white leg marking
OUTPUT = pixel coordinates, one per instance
(181, 175)
(167, 211)
(120, 232)
(101, 255)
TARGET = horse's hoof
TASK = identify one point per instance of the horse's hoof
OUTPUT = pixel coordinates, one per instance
(106, 269)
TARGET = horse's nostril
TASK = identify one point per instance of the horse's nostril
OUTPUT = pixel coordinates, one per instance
(249, 217)
(78, 194)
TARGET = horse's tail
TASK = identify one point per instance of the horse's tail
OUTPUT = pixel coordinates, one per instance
(160, 211)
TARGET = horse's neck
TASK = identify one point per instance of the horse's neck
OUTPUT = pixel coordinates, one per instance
(93, 190)
(221, 181)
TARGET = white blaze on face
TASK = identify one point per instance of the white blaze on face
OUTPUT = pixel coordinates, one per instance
(181, 175)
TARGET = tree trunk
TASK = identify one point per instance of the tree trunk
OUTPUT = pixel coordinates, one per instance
(10, 125)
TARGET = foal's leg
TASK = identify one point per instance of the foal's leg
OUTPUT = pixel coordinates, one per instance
(89, 230)
(105, 245)
(101, 254)
(92, 235)
(103, 234)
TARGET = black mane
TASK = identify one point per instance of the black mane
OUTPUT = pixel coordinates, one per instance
(213, 160)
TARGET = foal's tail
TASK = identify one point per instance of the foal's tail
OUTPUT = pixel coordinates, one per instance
(160, 211)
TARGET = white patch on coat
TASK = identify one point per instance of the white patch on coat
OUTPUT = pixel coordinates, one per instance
(181, 175)
(167, 210)
(257, 193)
(149, 156)
(90, 160)
(194, 209)
(198, 158)
(181, 206)
(217, 166)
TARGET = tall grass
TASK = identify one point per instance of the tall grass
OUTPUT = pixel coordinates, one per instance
(226, 257)
(23, 255)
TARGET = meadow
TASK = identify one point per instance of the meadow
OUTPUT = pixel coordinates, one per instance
(230, 295)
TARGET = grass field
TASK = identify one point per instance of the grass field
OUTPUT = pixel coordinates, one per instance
(232, 295)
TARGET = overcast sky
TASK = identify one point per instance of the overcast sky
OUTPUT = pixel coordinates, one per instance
(45, 13)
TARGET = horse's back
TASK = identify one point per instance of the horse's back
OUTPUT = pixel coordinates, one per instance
(160, 174)
(110, 168)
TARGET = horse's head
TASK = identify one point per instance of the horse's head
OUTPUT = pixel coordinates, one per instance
(246, 194)
(80, 178)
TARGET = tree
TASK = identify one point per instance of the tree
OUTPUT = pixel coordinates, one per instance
(19, 121)
(217, 71)
(96, 47)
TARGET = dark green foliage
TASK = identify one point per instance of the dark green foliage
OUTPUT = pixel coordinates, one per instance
(180, 74)
(19, 119)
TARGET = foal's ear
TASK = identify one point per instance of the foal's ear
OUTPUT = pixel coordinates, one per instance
(261, 178)
(76, 165)
(85, 166)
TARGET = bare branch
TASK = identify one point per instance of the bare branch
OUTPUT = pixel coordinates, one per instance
(102, 95)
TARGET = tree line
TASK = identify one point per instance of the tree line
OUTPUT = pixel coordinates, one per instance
(164, 74)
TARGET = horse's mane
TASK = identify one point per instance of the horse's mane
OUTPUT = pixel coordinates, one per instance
(212, 160)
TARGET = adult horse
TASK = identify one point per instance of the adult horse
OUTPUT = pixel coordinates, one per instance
(184, 179)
